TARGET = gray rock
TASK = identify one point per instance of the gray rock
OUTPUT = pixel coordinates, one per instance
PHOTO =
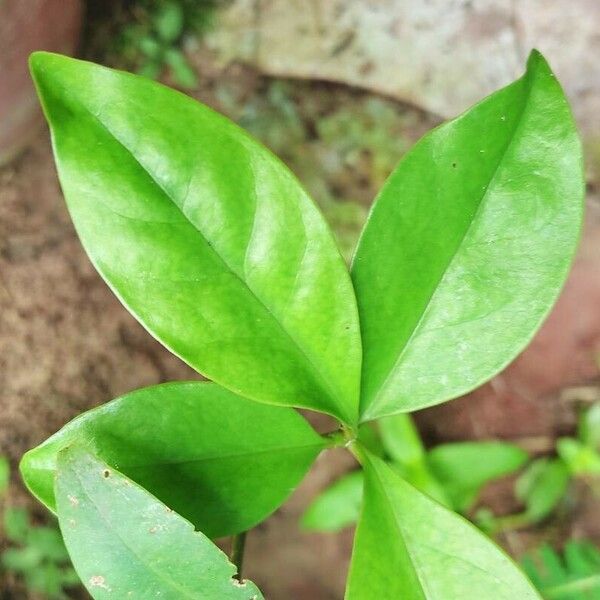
(441, 55)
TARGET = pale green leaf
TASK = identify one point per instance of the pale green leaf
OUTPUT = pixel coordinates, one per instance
(401, 439)
(124, 543)
(463, 468)
(541, 487)
(336, 507)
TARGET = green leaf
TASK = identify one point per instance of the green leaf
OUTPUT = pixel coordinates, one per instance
(150, 69)
(467, 246)
(541, 487)
(49, 543)
(22, 560)
(336, 507)
(402, 442)
(464, 468)
(420, 476)
(4, 475)
(183, 72)
(573, 576)
(16, 524)
(205, 236)
(579, 458)
(401, 439)
(169, 20)
(589, 427)
(123, 541)
(221, 461)
(369, 437)
(408, 546)
(47, 580)
(150, 47)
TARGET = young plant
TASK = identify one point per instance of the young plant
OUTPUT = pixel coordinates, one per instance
(35, 554)
(453, 474)
(153, 41)
(572, 575)
(545, 483)
(216, 249)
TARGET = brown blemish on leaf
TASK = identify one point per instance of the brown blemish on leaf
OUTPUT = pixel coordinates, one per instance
(98, 581)
(106, 473)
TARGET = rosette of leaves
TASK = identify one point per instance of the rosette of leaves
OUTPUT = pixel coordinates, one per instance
(217, 250)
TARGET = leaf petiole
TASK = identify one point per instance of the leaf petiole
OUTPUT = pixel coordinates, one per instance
(339, 438)
(237, 553)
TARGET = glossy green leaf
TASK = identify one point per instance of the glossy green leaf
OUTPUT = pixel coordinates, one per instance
(124, 543)
(464, 468)
(407, 546)
(221, 461)
(205, 237)
(468, 245)
(336, 507)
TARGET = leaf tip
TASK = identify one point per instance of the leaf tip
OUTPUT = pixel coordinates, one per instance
(38, 63)
(536, 62)
(24, 465)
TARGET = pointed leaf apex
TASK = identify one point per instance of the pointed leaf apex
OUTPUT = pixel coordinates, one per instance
(537, 62)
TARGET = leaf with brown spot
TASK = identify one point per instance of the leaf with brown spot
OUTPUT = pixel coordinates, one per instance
(107, 534)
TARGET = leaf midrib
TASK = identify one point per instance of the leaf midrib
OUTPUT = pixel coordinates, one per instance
(410, 541)
(229, 456)
(392, 514)
(322, 380)
(519, 121)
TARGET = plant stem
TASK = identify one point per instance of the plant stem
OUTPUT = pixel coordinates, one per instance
(357, 451)
(237, 553)
(335, 439)
(511, 522)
